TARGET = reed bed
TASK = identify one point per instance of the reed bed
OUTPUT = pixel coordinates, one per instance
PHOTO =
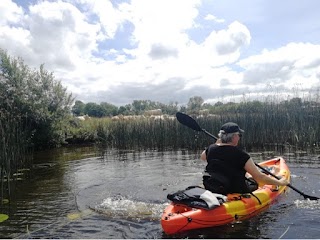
(14, 150)
(295, 126)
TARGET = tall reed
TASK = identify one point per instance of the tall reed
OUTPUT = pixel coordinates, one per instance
(289, 124)
(14, 151)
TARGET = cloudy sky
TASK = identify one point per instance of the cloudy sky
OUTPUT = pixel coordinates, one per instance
(118, 51)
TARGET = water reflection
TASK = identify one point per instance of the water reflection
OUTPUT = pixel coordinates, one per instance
(86, 192)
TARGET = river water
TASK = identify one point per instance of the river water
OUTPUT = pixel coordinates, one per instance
(86, 192)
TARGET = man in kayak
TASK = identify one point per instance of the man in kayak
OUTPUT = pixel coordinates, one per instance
(227, 165)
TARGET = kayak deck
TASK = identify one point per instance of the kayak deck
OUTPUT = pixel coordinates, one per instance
(179, 217)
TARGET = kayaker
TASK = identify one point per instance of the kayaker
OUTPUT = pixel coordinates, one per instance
(227, 165)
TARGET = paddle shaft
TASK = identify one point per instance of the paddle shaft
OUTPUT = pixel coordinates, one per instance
(289, 185)
(206, 132)
(191, 123)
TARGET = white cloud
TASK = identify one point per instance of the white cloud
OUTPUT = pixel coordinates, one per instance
(61, 36)
(110, 18)
(13, 37)
(295, 64)
(231, 40)
(210, 17)
(97, 47)
(10, 12)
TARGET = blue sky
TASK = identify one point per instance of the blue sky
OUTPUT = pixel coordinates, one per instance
(169, 50)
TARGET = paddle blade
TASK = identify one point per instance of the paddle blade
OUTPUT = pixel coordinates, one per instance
(188, 121)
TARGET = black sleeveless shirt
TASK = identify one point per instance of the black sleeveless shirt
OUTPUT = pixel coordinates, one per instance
(228, 161)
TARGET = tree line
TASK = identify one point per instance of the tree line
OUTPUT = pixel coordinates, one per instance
(137, 107)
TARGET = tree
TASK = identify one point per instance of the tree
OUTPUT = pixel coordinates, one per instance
(126, 110)
(37, 96)
(109, 109)
(194, 104)
(94, 110)
(122, 110)
(139, 106)
(78, 108)
(218, 104)
(171, 108)
(295, 102)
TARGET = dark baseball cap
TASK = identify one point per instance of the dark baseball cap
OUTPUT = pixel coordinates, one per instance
(231, 127)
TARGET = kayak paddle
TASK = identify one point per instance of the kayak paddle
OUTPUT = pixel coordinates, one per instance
(289, 185)
(188, 121)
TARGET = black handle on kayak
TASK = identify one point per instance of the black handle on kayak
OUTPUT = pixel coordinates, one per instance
(191, 123)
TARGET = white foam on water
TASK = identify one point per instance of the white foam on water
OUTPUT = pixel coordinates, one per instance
(307, 204)
(126, 208)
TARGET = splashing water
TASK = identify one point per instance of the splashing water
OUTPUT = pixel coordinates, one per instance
(129, 209)
(307, 204)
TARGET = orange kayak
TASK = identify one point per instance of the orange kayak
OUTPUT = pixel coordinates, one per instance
(178, 217)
